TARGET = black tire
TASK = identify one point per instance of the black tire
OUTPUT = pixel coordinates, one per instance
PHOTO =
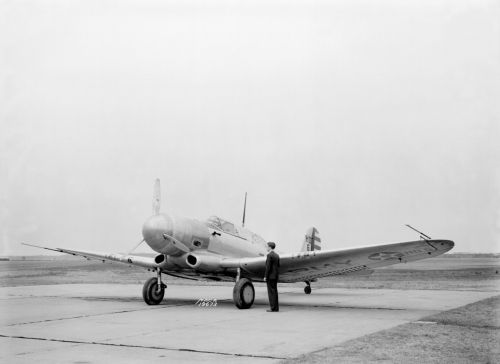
(307, 290)
(243, 293)
(149, 292)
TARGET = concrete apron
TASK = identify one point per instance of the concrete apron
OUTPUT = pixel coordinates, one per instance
(99, 323)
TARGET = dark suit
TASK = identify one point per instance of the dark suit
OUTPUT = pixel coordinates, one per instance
(272, 276)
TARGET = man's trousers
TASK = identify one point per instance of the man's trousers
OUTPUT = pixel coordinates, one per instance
(272, 292)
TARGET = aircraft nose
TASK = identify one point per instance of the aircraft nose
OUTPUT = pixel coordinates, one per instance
(153, 230)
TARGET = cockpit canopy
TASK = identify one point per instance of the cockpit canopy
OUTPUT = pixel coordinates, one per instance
(220, 224)
(217, 223)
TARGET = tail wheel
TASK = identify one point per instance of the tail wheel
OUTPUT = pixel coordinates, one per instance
(243, 293)
(307, 289)
(150, 292)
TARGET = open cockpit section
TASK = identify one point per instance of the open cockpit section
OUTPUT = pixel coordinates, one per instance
(228, 227)
(217, 223)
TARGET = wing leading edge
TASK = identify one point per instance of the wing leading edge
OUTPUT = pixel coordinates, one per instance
(139, 261)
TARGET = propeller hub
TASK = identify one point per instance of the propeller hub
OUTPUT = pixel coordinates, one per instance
(153, 232)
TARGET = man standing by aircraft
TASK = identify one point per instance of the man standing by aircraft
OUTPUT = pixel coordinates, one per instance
(271, 276)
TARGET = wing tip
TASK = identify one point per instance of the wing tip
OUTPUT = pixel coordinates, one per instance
(43, 247)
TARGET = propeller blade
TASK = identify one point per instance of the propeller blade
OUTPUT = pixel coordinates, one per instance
(142, 241)
(156, 197)
(177, 243)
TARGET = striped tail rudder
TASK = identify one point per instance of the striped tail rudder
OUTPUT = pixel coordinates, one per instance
(312, 241)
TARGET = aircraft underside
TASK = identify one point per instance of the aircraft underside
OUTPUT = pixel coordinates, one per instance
(153, 290)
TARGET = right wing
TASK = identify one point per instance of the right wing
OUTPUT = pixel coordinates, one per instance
(139, 261)
(144, 262)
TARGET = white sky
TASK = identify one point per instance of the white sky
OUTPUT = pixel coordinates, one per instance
(356, 117)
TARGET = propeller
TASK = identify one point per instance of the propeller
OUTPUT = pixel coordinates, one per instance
(156, 197)
(135, 247)
(156, 207)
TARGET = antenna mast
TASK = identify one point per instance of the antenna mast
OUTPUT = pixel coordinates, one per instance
(422, 235)
(244, 210)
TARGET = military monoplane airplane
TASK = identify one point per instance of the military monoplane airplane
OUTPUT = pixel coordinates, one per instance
(219, 250)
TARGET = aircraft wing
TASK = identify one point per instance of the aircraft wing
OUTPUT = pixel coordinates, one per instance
(302, 266)
(144, 262)
(306, 266)
(139, 261)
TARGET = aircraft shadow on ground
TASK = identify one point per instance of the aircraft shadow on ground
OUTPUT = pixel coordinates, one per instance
(171, 302)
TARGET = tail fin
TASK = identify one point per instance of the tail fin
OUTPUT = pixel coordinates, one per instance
(312, 241)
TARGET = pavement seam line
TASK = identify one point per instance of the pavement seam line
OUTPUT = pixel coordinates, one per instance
(86, 316)
(143, 347)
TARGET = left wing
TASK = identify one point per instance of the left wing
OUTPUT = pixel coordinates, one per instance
(306, 266)
(144, 262)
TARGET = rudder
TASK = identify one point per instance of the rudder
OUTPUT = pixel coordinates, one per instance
(312, 241)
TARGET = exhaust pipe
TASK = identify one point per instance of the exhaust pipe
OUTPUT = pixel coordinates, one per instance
(204, 263)
(161, 260)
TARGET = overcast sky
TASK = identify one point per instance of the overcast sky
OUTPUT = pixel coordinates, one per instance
(356, 117)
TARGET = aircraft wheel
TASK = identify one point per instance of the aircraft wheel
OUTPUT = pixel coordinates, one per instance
(307, 290)
(243, 293)
(150, 293)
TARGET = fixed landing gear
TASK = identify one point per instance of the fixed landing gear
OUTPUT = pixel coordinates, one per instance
(307, 289)
(153, 290)
(243, 293)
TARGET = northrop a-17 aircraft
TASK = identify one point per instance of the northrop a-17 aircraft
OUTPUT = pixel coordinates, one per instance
(219, 250)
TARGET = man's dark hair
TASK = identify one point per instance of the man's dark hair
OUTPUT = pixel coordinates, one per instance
(271, 245)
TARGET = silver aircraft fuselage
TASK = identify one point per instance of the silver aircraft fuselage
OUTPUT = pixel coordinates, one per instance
(181, 241)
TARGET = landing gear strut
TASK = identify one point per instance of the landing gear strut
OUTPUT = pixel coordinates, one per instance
(154, 290)
(307, 289)
(243, 293)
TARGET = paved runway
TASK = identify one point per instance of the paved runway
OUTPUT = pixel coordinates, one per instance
(109, 323)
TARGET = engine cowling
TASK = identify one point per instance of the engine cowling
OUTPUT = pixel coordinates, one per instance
(173, 235)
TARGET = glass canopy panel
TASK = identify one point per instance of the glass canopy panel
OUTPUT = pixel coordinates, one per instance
(218, 223)
(214, 221)
(256, 239)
